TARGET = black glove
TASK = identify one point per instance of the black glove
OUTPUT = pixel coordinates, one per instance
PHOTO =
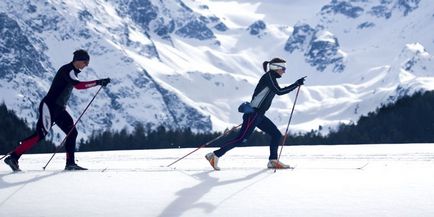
(300, 81)
(103, 82)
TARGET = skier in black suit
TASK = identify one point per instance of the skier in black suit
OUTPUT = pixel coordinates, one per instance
(52, 109)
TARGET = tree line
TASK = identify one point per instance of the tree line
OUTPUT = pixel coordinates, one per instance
(409, 120)
(14, 129)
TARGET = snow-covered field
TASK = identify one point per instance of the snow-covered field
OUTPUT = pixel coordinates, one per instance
(396, 180)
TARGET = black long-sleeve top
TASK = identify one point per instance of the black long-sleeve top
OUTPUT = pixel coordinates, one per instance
(63, 83)
(266, 89)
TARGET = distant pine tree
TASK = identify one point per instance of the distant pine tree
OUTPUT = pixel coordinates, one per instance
(15, 129)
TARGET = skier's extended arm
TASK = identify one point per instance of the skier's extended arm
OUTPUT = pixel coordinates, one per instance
(274, 86)
(88, 84)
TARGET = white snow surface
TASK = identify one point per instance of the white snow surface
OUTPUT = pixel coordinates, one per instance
(396, 180)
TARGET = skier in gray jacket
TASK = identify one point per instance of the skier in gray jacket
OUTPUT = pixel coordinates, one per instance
(261, 101)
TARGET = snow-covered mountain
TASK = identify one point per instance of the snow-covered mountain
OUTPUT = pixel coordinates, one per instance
(188, 63)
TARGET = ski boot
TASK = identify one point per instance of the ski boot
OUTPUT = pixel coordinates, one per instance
(12, 163)
(74, 166)
(213, 160)
(275, 164)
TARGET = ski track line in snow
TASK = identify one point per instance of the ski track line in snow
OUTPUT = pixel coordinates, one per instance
(182, 170)
(139, 170)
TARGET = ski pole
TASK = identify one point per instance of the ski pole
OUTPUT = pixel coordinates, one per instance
(11, 151)
(215, 139)
(73, 127)
(287, 127)
(6, 155)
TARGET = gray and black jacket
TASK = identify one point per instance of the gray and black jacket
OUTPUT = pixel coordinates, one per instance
(266, 89)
